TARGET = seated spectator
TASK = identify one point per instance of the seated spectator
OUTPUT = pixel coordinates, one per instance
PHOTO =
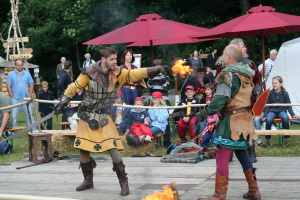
(46, 108)
(6, 122)
(209, 133)
(206, 99)
(187, 115)
(209, 130)
(120, 114)
(138, 122)
(278, 95)
(158, 117)
(160, 84)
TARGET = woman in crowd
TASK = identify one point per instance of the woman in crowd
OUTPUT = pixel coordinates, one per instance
(278, 95)
(129, 89)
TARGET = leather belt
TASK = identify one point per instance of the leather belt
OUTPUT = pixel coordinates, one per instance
(231, 112)
(130, 87)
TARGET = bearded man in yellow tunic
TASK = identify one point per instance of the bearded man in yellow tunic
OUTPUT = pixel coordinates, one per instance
(96, 130)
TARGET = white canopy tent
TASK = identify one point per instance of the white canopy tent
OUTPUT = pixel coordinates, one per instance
(287, 66)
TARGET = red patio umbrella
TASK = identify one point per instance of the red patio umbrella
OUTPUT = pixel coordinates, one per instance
(149, 28)
(260, 20)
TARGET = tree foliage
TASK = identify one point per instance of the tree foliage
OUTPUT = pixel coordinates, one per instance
(58, 28)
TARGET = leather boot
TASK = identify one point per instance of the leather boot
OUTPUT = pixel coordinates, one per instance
(252, 154)
(268, 141)
(119, 168)
(87, 170)
(221, 185)
(253, 193)
(285, 143)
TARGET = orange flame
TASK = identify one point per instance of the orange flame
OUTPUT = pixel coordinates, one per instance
(167, 194)
(181, 69)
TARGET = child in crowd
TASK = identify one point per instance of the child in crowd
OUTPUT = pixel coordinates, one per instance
(160, 83)
(209, 132)
(187, 115)
(158, 117)
(138, 122)
(120, 114)
(209, 75)
(278, 95)
(46, 108)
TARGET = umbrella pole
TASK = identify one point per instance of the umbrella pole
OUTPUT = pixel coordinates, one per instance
(176, 89)
(151, 52)
(263, 56)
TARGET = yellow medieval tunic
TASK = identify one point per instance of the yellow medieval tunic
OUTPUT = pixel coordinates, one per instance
(106, 137)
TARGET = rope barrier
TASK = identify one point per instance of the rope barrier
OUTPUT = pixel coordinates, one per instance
(27, 100)
(12, 106)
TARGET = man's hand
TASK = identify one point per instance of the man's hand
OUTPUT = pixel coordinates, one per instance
(202, 115)
(64, 101)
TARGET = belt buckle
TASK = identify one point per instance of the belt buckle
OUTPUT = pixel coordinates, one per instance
(132, 87)
(234, 111)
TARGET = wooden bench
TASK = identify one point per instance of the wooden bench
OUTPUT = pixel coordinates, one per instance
(65, 124)
(59, 132)
(62, 140)
(277, 122)
(172, 122)
(46, 140)
(158, 138)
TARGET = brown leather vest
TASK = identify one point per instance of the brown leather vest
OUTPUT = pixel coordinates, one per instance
(241, 123)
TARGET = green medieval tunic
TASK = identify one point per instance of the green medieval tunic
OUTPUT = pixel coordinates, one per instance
(235, 78)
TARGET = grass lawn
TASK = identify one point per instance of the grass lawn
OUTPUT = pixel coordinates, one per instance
(21, 144)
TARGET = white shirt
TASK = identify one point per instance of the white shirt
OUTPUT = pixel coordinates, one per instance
(269, 64)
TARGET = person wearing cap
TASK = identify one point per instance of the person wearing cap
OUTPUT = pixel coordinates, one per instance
(97, 131)
(158, 117)
(198, 80)
(137, 125)
(120, 114)
(187, 115)
(236, 131)
(160, 83)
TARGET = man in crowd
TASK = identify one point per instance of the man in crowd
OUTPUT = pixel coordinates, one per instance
(60, 67)
(96, 130)
(256, 80)
(269, 63)
(88, 61)
(20, 85)
(236, 131)
(63, 82)
(6, 122)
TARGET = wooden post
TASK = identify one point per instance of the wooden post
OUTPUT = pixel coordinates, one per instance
(175, 191)
(176, 84)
